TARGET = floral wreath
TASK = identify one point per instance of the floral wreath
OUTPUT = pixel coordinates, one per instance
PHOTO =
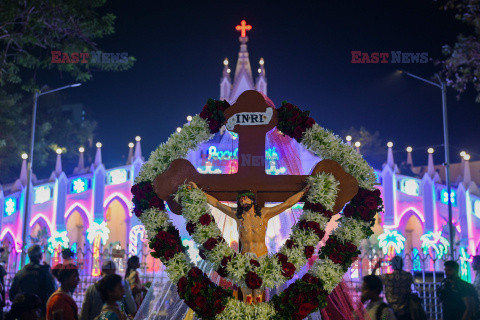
(303, 296)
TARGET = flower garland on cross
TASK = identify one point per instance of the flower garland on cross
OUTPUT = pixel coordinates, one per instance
(303, 296)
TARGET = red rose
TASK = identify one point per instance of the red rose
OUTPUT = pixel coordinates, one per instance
(288, 269)
(351, 247)
(282, 258)
(196, 288)
(140, 195)
(289, 243)
(336, 258)
(316, 207)
(137, 211)
(340, 248)
(154, 201)
(320, 233)
(169, 254)
(191, 228)
(371, 202)
(328, 213)
(205, 219)
(200, 301)
(253, 281)
(348, 211)
(218, 293)
(210, 244)
(162, 235)
(309, 250)
(205, 114)
(331, 242)
(288, 106)
(213, 124)
(182, 285)
(376, 193)
(298, 132)
(306, 308)
(310, 122)
(195, 272)
(147, 188)
(254, 263)
(157, 246)
(218, 306)
(171, 241)
(226, 260)
(308, 278)
(298, 299)
(313, 225)
(364, 213)
(222, 272)
(302, 225)
(135, 188)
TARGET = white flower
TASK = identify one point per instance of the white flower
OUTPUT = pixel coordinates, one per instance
(324, 189)
(177, 267)
(328, 272)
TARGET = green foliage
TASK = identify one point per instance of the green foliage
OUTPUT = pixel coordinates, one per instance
(29, 32)
(461, 66)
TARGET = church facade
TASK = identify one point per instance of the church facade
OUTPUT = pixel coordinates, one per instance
(91, 207)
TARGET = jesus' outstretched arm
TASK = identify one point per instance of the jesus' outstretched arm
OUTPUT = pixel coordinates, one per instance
(271, 212)
(215, 203)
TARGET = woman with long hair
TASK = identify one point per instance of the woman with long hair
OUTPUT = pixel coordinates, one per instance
(60, 305)
(111, 291)
(132, 276)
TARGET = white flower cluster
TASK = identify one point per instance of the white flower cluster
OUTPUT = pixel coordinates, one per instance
(153, 220)
(324, 189)
(237, 310)
(314, 216)
(177, 146)
(327, 145)
(352, 230)
(328, 272)
(178, 267)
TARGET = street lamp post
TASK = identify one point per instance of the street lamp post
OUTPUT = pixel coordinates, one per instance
(29, 166)
(441, 84)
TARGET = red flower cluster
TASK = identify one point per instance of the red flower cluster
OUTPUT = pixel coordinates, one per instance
(317, 207)
(300, 299)
(213, 112)
(292, 121)
(365, 205)
(211, 243)
(205, 219)
(252, 280)
(144, 197)
(288, 269)
(222, 270)
(166, 244)
(338, 252)
(312, 225)
(201, 294)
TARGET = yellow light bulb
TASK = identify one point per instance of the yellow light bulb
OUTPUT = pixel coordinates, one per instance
(348, 138)
(390, 144)
(409, 149)
(24, 156)
(430, 150)
(130, 145)
(81, 149)
(98, 144)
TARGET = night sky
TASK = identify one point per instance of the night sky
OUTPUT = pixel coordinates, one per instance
(307, 46)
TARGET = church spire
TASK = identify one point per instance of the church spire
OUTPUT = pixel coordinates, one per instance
(225, 82)
(261, 84)
(243, 79)
(138, 149)
(98, 155)
(130, 152)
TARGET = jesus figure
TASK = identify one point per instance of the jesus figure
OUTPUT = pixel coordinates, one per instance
(252, 222)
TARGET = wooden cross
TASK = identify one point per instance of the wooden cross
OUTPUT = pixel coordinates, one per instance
(251, 116)
(243, 28)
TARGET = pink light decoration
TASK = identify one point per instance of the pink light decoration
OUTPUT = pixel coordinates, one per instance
(82, 207)
(127, 202)
(243, 28)
(44, 217)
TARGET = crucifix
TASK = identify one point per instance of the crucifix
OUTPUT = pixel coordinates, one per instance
(251, 117)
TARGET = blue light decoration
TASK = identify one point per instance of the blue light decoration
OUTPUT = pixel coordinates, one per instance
(213, 155)
(78, 185)
(434, 242)
(117, 176)
(410, 187)
(10, 206)
(464, 265)
(391, 242)
(42, 194)
(476, 208)
(444, 197)
(74, 248)
(416, 260)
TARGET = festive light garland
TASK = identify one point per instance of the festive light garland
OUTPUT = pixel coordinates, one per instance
(303, 296)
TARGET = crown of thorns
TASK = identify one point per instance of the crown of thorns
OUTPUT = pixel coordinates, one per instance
(246, 194)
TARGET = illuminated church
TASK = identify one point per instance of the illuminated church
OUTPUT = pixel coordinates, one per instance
(90, 207)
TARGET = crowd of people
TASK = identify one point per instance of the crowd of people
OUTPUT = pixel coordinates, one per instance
(35, 294)
(460, 299)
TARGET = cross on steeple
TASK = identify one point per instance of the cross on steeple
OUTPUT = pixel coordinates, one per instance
(243, 28)
(251, 116)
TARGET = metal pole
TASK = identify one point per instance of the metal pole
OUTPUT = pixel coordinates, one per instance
(447, 169)
(26, 209)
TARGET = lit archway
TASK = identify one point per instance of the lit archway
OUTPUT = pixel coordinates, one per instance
(40, 230)
(76, 228)
(116, 218)
(413, 231)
